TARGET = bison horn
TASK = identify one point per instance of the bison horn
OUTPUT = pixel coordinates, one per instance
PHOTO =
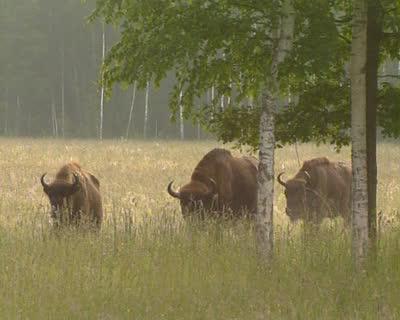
(44, 184)
(280, 180)
(308, 176)
(172, 192)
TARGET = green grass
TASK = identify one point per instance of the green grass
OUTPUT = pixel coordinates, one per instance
(146, 263)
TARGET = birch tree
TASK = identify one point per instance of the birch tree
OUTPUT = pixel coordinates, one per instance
(146, 110)
(103, 53)
(131, 111)
(359, 133)
(181, 124)
(282, 36)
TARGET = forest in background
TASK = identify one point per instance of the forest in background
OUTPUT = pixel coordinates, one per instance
(50, 62)
(50, 72)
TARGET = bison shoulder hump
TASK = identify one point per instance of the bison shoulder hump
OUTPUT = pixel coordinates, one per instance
(309, 164)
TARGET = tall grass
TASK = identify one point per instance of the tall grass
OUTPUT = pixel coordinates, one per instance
(147, 263)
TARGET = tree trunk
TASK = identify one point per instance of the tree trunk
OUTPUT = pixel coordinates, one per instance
(17, 117)
(102, 83)
(79, 116)
(63, 91)
(181, 124)
(265, 178)
(198, 130)
(54, 117)
(146, 110)
(374, 35)
(283, 35)
(131, 111)
(6, 113)
(358, 133)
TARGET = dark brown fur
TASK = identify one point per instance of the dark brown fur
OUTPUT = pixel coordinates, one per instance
(235, 184)
(74, 207)
(324, 192)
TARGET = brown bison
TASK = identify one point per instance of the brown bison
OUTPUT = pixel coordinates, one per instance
(74, 196)
(321, 189)
(220, 183)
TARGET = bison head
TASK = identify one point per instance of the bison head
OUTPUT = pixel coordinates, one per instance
(195, 196)
(298, 196)
(58, 191)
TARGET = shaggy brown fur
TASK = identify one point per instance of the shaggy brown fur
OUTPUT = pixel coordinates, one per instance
(320, 189)
(221, 183)
(74, 196)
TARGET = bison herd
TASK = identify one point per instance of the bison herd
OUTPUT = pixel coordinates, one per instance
(220, 185)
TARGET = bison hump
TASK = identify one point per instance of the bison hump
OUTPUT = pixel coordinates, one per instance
(316, 162)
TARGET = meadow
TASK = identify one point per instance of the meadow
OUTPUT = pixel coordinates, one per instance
(147, 263)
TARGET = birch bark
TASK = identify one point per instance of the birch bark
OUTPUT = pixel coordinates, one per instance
(103, 53)
(131, 111)
(146, 110)
(181, 124)
(283, 35)
(358, 77)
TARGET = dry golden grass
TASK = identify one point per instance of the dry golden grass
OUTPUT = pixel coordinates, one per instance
(134, 175)
(148, 264)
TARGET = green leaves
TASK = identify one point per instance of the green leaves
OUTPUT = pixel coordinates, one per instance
(227, 45)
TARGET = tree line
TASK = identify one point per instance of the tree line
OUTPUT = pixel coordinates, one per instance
(50, 61)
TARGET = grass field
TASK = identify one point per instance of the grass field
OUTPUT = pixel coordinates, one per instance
(146, 263)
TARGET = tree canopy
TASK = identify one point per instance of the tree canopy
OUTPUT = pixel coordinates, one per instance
(227, 45)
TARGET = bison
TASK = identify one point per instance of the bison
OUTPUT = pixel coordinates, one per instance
(220, 184)
(74, 197)
(321, 189)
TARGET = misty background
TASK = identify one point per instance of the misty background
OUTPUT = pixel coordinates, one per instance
(50, 62)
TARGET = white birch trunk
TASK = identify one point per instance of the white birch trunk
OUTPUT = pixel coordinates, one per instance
(146, 110)
(54, 117)
(6, 113)
(181, 124)
(131, 111)
(360, 239)
(198, 130)
(63, 92)
(103, 53)
(269, 98)
(17, 119)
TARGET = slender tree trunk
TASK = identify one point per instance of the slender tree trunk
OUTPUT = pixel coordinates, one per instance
(374, 35)
(146, 110)
(63, 91)
(265, 179)
(54, 117)
(102, 83)
(181, 124)
(198, 130)
(131, 110)
(6, 113)
(78, 99)
(358, 77)
(18, 117)
(264, 218)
